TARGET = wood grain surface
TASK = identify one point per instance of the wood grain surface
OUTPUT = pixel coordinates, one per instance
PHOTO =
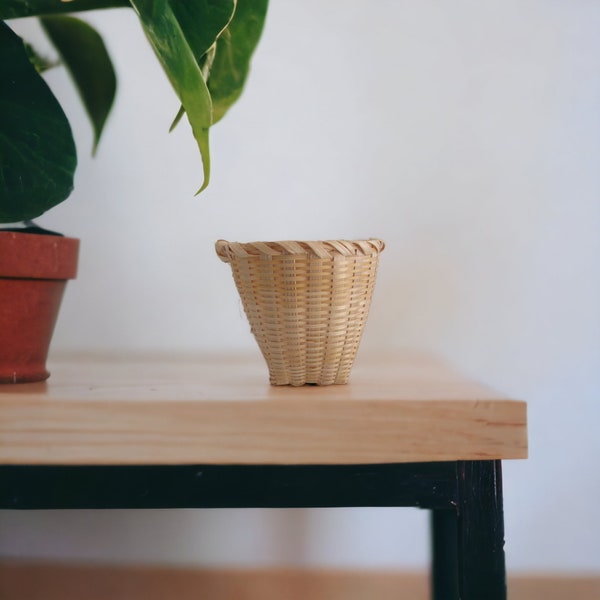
(399, 407)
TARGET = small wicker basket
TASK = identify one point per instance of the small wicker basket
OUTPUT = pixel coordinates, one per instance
(307, 303)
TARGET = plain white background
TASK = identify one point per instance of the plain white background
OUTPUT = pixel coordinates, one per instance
(466, 135)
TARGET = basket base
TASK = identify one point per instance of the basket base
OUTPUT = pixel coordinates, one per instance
(299, 376)
(272, 381)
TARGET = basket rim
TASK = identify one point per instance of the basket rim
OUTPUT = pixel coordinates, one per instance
(319, 248)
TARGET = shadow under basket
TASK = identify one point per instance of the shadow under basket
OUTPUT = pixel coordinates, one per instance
(307, 303)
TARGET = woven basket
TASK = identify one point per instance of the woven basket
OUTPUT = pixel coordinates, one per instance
(307, 303)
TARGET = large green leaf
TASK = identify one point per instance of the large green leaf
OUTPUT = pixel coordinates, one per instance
(229, 64)
(37, 151)
(202, 21)
(234, 50)
(84, 54)
(13, 9)
(169, 27)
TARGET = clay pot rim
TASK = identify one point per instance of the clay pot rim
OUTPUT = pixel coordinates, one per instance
(38, 256)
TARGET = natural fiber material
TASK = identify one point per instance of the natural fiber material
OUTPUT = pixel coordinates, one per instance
(307, 303)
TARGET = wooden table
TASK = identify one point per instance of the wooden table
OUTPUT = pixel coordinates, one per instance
(175, 432)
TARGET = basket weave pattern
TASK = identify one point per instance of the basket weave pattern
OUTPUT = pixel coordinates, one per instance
(307, 303)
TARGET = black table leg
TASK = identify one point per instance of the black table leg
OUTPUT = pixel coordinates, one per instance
(444, 559)
(481, 566)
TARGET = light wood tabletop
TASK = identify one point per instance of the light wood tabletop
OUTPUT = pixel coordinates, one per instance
(398, 407)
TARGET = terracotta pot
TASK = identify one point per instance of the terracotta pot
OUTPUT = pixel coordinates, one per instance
(34, 270)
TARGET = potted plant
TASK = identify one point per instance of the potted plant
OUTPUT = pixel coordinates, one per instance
(205, 48)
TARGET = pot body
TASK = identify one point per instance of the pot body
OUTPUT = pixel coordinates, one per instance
(28, 312)
(34, 270)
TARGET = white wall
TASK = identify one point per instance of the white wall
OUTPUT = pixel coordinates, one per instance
(466, 135)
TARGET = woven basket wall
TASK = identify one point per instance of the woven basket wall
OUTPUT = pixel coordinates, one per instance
(307, 303)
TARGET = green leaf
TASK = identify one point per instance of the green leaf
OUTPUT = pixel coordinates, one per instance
(37, 151)
(177, 118)
(233, 53)
(14, 9)
(84, 54)
(202, 21)
(40, 63)
(179, 32)
(228, 66)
